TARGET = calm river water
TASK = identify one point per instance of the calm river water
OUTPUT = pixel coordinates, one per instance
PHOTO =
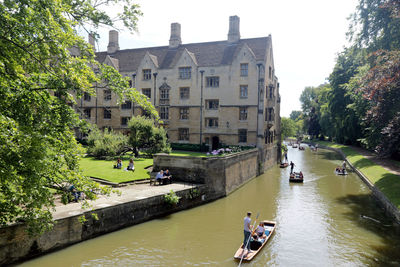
(324, 222)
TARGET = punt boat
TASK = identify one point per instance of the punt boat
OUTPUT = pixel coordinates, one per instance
(284, 165)
(295, 177)
(269, 227)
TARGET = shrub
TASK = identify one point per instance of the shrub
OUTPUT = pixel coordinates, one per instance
(190, 147)
(171, 198)
(106, 144)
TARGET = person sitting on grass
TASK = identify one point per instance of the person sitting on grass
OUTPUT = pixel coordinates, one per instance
(168, 176)
(160, 176)
(131, 166)
(119, 164)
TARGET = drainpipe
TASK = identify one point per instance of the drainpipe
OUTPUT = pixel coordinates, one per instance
(155, 87)
(201, 107)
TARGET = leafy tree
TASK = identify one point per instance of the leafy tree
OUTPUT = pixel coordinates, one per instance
(380, 86)
(106, 144)
(288, 127)
(295, 114)
(146, 137)
(38, 148)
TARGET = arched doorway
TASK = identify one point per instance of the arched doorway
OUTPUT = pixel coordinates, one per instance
(215, 142)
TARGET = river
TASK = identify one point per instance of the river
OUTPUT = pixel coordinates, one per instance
(329, 220)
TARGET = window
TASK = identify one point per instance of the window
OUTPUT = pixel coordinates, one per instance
(146, 92)
(125, 120)
(212, 122)
(270, 72)
(107, 113)
(133, 81)
(107, 95)
(271, 91)
(127, 105)
(164, 113)
(87, 112)
(243, 114)
(244, 69)
(242, 134)
(212, 104)
(212, 81)
(164, 94)
(243, 91)
(184, 113)
(183, 134)
(184, 92)
(86, 96)
(146, 74)
(269, 114)
(185, 73)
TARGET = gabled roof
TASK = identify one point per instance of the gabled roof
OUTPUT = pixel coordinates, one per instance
(205, 54)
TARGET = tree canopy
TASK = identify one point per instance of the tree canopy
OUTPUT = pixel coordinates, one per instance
(39, 76)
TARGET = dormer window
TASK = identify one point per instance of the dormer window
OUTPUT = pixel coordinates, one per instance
(147, 74)
(185, 73)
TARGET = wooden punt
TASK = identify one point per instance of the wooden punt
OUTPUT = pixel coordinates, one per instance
(296, 178)
(340, 172)
(294, 145)
(268, 225)
(284, 165)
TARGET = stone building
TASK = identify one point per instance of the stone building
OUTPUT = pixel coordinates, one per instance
(222, 92)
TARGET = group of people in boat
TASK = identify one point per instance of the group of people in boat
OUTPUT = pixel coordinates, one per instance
(341, 169)
(253, 238)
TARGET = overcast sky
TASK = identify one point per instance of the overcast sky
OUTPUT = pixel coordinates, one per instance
(306, 35)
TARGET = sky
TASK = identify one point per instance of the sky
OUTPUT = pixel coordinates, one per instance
(306, 35)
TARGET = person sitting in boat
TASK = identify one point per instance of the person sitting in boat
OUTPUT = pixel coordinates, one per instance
(260, 230)
(255, 242)
(338, 169)
(300, 175)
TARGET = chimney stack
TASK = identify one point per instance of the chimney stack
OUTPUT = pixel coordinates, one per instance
(234, 32)
(175, 39)
(92, 41)
(113, 45)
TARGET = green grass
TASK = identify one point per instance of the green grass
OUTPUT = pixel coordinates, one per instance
(103, 169)
(187, 153)
(384, 180)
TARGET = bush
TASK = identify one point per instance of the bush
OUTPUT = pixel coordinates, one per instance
(107, 144)
(171, 198)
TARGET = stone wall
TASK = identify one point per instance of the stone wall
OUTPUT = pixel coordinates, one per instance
(16, 245)
(222, 175)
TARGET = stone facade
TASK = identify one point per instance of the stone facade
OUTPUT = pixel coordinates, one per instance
(214, 92)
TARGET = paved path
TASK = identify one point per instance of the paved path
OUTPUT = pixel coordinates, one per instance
(388, 164)
(128, 193)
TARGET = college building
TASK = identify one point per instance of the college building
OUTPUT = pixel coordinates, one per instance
(222, 92)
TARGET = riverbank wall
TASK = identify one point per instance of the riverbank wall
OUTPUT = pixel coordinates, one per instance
(206, 179)
(390, 209)
(16, 245)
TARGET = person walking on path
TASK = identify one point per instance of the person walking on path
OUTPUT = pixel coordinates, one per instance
(291, 167)
(247, 232)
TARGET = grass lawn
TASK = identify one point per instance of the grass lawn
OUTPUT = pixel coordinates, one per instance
(103, 169)
(384, 180)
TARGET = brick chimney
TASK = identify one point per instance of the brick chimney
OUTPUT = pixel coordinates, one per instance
(113, 45)
(234, 32)
(175, 39)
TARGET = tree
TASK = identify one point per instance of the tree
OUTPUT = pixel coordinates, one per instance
(145, 136)
(38, 148)
(288, 127)
(295, 114)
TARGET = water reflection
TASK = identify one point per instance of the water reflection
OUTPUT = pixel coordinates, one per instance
(319, 224)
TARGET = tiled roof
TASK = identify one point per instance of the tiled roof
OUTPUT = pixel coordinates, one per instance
(206, 54)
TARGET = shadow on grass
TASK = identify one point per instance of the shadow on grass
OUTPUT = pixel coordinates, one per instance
(366, 213)
(389, 184)
(363, 163)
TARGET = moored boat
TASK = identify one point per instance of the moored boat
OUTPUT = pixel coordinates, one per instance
(296, 177)
(269, 227)
(284, 165)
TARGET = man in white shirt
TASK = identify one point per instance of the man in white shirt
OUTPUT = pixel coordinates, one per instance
(247, 231)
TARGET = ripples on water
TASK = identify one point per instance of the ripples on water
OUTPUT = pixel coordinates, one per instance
(319, 223)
